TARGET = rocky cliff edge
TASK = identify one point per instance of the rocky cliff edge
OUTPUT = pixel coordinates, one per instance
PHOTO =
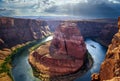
(110, 68)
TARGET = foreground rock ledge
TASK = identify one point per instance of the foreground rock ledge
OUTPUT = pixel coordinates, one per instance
(64, 58)
(110, 68)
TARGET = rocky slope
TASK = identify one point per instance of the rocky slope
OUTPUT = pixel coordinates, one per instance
(65, 55)
(15, 31)
(110, 68)
(101, 30)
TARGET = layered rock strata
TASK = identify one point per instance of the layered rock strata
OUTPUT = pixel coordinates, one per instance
(15, 31)
(64, 55)
(67, 40)
(101, 30)
(110, 68)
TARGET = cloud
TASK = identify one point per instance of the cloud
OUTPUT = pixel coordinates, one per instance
(114, 1)
(80, 8)
(90, 9)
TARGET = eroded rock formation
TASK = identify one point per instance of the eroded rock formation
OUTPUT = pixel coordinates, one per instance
(65, 55)
(110, 68)
(15, 31)
(68, 40)
(101, 30)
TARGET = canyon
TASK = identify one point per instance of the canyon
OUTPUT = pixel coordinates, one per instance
(14, 34)
(101, 30)
(110, 68)
(17, 32)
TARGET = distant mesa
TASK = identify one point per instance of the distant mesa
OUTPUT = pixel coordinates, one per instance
(65, 56)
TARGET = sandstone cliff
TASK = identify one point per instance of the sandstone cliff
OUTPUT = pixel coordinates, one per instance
(110, 68)
(65, 55)
(16, 31)
(100, 30)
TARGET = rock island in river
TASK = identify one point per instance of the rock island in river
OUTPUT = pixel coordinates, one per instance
(64, 58)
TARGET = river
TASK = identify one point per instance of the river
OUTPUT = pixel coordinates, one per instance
(97, 52)
(22, 70)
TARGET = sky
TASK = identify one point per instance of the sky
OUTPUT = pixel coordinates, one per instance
(77, 8)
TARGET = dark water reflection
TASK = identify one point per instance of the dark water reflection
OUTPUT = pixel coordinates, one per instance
(97, 52)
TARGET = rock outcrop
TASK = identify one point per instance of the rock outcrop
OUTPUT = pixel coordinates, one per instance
(15, 31)
(65, 55)
(101, 30)
(110, 68)
(67, 38)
